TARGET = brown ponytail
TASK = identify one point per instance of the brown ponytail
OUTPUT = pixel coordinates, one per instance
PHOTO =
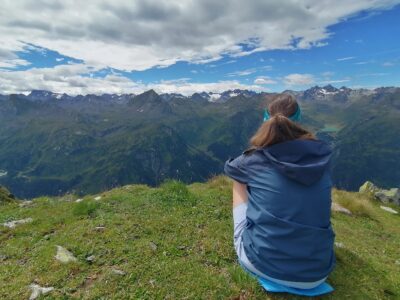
(279, 128)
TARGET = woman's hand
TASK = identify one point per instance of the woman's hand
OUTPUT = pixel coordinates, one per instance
(239, 193)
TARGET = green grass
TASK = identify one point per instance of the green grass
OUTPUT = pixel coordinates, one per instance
(86, 208)
(5, 196)
(175, 249)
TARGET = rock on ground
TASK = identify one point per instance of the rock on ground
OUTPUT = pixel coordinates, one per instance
(37, 290)
(12, 224)
(100, 228)
(369, 188)
(338, 208)
(153, 246)
(90, 258)
(385, 196)
(389, 196)
(26, 203)
(339, 245)
(118, 272)
(64, 256)
(389, 209)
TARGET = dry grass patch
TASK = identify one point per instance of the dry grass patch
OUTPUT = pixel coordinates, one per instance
(220, 182)
(358, 204)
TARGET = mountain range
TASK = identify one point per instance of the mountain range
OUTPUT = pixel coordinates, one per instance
(52, 143)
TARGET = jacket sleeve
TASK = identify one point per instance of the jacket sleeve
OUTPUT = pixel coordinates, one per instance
(234, 168)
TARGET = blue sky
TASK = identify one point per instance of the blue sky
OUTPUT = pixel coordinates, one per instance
(360, 48)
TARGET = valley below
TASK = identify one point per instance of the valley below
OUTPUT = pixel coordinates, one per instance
(53, 144)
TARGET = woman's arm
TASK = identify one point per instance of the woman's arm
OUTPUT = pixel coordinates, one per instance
(239, 193)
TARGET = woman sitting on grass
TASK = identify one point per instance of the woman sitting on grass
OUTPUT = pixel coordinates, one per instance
(282, 200)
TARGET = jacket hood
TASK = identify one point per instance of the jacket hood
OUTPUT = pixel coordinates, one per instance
(304, 161)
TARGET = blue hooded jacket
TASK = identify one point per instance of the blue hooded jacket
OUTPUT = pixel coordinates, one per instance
(288, 234)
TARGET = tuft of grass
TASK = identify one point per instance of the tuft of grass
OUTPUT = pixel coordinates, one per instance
(174, 191)
(85, 208)
(359, 204)
(220, 181)
(6, 196)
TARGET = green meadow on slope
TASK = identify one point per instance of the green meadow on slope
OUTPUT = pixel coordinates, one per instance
(175, 242)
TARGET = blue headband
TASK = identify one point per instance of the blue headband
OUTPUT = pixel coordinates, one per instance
(295, 117)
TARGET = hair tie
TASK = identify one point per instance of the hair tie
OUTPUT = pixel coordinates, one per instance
(295, 117)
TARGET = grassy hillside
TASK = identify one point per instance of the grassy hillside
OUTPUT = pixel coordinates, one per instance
(368, 148)
(175, 242)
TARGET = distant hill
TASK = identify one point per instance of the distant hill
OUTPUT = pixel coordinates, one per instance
(174, 242)
(53, 143)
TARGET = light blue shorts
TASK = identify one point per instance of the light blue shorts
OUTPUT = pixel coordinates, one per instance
(239, 221)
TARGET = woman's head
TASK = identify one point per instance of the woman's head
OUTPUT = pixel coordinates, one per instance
(282, 104)
(279, 128)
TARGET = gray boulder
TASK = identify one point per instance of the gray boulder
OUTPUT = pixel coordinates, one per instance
(368, 188)
(38, 290)
(12, 224)
(389, 196)
(64, 256)
(389, 209)
(340, 209)
(386, 196)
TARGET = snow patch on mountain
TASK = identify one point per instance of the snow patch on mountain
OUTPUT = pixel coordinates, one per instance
(213, 97)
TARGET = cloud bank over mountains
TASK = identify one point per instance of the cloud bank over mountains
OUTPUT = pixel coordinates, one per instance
(75, 79)
(144, 34)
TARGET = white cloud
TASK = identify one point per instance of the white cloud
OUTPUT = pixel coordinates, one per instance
(8, 59)
(229, 62)
(298, 79)
(249, 71)
(188, 88)
(334, 81)
(264, 80)
(73, 79)
(388, 64)
(140, 34)
(242, 72)
(13, 63)
(345, 58)
(76, 79)
(328, 74)
(373, 74)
